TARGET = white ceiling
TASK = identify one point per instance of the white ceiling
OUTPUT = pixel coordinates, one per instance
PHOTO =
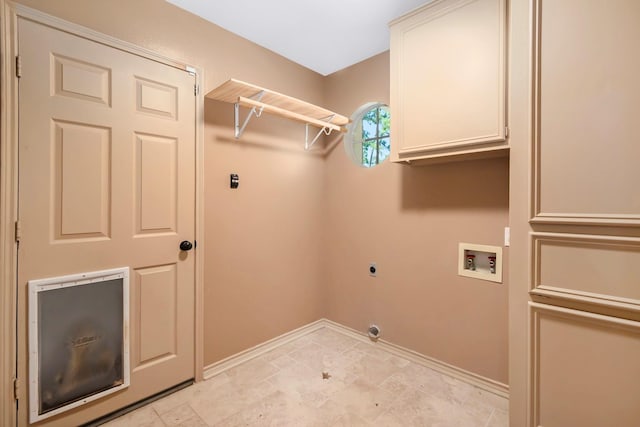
(323, 35)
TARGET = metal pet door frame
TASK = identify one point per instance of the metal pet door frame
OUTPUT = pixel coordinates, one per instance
(48, 284)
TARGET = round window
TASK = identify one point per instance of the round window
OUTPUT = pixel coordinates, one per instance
(367, 141)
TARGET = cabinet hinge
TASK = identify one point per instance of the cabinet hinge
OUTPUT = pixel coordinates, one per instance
(18, 231)
(18, 66)
(16, 388)
(506, 132)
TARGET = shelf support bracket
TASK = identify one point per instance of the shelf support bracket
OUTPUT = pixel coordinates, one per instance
(325, 130)
(239, 129)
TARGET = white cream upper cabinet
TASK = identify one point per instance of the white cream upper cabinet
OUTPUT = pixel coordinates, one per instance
(448, 86)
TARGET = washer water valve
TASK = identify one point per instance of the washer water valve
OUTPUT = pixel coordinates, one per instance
(492, 264)
(471, 262)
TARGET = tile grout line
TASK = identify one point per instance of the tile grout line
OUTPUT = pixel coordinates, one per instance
(490, 417)
(158, 416)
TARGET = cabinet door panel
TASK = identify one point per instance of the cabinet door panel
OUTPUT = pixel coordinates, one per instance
(448, 78)
(587, 111)
(585, 369)
(587, 268)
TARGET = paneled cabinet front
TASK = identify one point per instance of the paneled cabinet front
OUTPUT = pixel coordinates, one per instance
(448, 85)
(585, 369)
(583, 221)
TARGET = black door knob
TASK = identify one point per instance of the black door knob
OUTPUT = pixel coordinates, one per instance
(186, 245)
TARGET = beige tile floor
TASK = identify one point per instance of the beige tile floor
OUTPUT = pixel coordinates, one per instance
(367, 387)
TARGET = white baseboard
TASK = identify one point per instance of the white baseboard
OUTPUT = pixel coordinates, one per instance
(260, 349)
(476, 380)
(479, 381)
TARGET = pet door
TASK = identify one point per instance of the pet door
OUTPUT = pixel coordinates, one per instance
(78, 340)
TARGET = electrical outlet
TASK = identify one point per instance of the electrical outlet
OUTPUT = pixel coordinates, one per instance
(373, 270)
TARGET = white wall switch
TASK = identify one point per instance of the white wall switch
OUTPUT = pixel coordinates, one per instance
(507, 236)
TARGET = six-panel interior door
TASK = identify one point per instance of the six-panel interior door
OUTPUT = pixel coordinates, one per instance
(106, 179)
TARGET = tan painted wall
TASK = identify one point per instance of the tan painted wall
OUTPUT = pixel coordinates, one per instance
(262, 259)
(293, 243)
(409, 221)
(263, 256)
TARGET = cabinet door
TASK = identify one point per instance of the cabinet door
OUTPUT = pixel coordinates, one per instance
(448, 79)
(586, 113)
(585, 369)
(574, 113)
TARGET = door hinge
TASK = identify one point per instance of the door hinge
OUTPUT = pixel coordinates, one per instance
(196, 89)
(16, 388)
(18, 231)
(506, 132)
(18, 66)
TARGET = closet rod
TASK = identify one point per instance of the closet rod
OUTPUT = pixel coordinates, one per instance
(246, 102)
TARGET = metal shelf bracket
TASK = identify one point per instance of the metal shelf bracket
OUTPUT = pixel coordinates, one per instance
(325, 130)
(253, 112)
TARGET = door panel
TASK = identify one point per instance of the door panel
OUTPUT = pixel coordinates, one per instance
(106, 179)
(156, 98)
(156, 184)
(156, 330)
(81, 80)
(586, 369)
(81, 166)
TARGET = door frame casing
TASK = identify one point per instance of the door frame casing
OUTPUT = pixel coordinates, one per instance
(9, 14)
(8, 215)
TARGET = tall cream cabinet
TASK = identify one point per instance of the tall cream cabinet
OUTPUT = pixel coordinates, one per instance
(575, 213)
(448, 81)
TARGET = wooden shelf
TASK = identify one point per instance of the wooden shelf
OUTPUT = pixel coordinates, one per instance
(259, 98)
(248, 102)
